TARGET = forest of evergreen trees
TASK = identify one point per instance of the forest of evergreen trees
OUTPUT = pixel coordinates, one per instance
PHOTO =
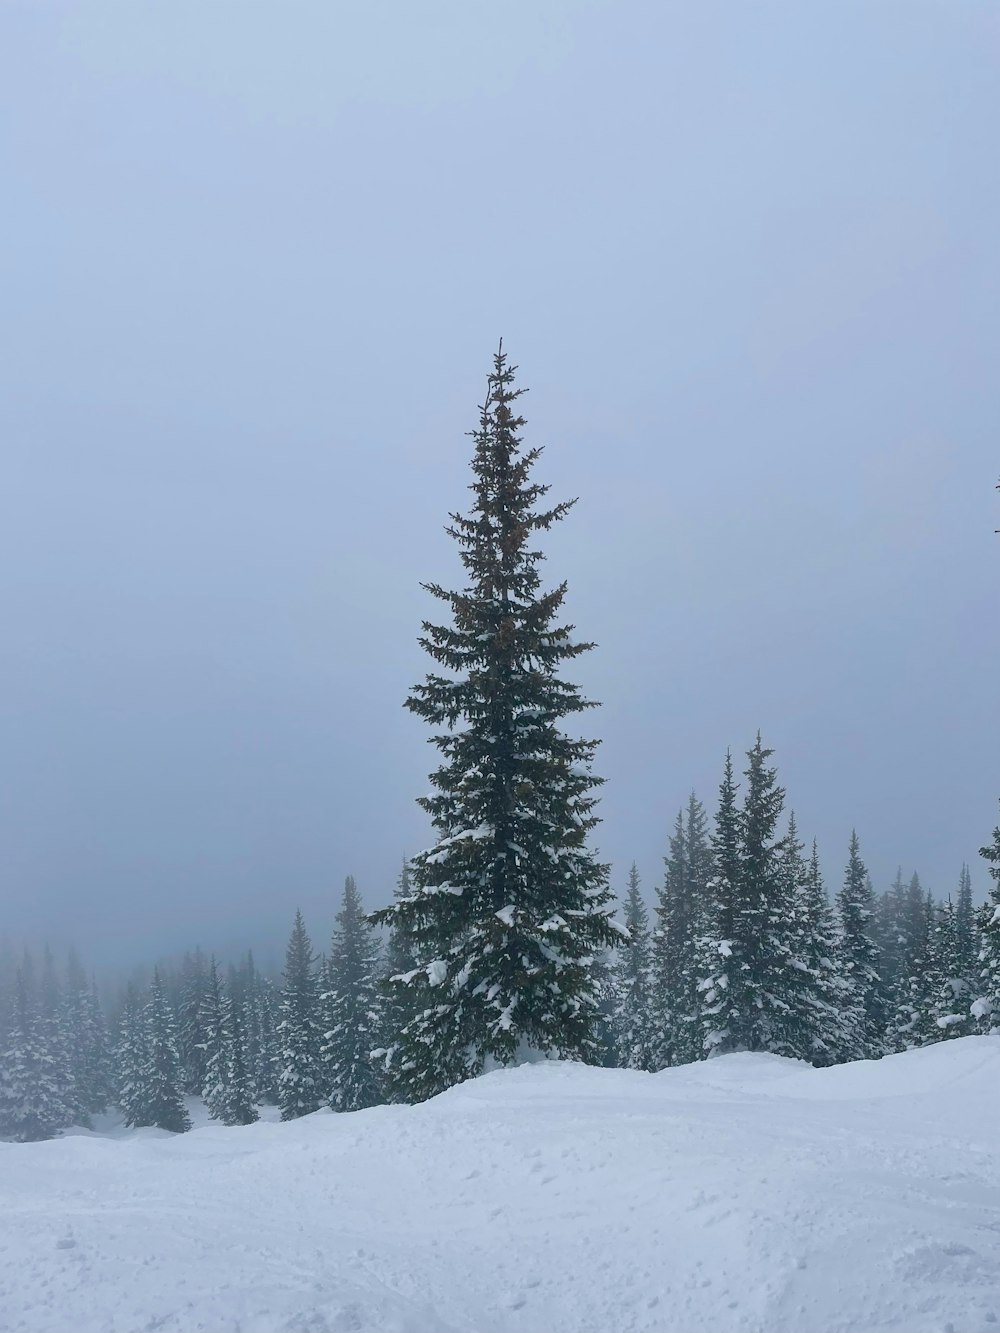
(500, 943)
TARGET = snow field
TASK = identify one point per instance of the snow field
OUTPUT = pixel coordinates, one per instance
(745, 1193)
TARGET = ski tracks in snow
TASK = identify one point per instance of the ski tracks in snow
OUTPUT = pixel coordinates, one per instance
(743, 1195)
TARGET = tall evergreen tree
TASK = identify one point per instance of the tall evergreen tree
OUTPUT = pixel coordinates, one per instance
(300, 1086)
(811, 1026)
(510, 907)
(965, 928)
(192, 1040)
(915, 922)
(683, 918)
(831, 1036)
(396, 999)
(33, 1094)
(890, 937)
(216, 1040)
(795, 1020)
(246, 1010)
(632, 1015)
(986, 1006)
(131, 1056)
(55, 1038)
(602, 974)
(948, 992)
(267, 1072)
(229, 1088)
(910, 1026)
(399, 956)
(91, 1070)
(859, 956)
(161, 1076)
(100, 1068)
(719, 967)
(241, 1102)
(349, 1009)
(672, 944)
(769, 942)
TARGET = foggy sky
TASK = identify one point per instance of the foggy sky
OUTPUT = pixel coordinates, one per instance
(255, 261)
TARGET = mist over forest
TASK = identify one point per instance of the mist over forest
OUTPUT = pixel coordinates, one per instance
(499, 816)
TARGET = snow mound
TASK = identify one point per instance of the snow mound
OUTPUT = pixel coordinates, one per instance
(745, 1193)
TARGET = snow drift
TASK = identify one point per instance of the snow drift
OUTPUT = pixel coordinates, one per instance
(746, 1193)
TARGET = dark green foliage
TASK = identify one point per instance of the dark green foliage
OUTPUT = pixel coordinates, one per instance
(910, 1023)
(915, 923)
(764, 913)
(396, 1000)
(243, 1109)
(349, 1010)
(718, 965)
(602, 974)
(300, 1088)
(683, 921)
(150, 1078)
(509, 909)
(831, 1034)
(162, 1091)
(859, 958)
(769, 964)
(948, 987)
(228, 1090)
(631, 1024)
(262, 1013)
(254, 1006)
(241, 1101)
(130, 1056)
(814, 1027)
(91, 1069)
(890, 936)
(54, 1037)
(191, 1036)
(399, 955)
(34, 1102)
(986, 1006)
(966, 941)
(214, 1044)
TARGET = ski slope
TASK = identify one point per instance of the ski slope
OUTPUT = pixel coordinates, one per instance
(746, 1193)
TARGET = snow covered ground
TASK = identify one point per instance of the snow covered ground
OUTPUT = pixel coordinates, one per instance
(749, 1193)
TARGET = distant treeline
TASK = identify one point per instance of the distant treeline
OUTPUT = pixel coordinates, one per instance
(825, 981)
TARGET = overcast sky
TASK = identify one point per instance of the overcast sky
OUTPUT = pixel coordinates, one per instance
(254, 262)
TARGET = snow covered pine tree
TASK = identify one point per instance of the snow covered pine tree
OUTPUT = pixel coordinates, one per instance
(859, 958)
(161, 1077)
(966, 941)
(215, 1044)
(300, 1089)
(828, 994)
(91, 1070)
(130, 1059)
(349, 1010)
(228, 1091)
(395, 1001)
(33, 1098)
(509, 909)
(986, 1006)
(751, 986)
(632, 1018)
(719, 970)
(684, 917)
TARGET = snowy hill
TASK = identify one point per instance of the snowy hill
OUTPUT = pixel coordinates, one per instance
(747, 1193)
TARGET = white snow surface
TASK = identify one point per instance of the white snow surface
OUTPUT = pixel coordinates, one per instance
(745, 1193)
